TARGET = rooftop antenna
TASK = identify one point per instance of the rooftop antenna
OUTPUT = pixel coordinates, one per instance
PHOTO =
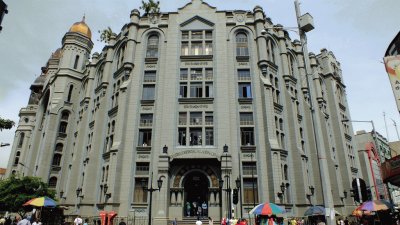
(387, 132)
(397, 131)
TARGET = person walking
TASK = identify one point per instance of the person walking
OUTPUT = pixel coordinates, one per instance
(210, 221)
(174, 222)
(78, 220)
(188, 209)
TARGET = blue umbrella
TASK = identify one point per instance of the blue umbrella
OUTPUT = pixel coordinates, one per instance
(315, 211)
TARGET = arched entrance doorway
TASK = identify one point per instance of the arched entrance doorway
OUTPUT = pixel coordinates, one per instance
(196, 187)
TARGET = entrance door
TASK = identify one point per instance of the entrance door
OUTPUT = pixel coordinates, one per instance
(196, 190)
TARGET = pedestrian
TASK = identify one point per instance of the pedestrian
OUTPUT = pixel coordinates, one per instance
(204, 207)
(346, 221)
(188, 209)
(78, 220)
(122, 222)
(199, 212)
(223, 221)
(210, 221)
(35, 222)
(2, 221)
(25, 221)
(198, 222)
(174, 222)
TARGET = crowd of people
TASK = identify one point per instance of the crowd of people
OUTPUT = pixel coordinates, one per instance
(16, 220)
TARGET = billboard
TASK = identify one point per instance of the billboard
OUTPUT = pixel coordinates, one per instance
(391, 171)
(392, 65)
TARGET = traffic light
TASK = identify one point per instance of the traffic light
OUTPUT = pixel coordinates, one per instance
(235, 196)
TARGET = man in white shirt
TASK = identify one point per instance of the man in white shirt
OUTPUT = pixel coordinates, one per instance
(78, 220)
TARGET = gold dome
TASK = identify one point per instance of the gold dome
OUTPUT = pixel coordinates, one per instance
(82, 28)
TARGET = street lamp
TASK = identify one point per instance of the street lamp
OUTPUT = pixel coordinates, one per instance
(151, 190)
(238, 186)
(228, 185)
(105, 189)
(4, 144)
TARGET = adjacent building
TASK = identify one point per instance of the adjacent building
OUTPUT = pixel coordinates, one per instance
(197, 99)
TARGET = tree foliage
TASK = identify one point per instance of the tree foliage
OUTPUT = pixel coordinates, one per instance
(15, 191)
(151, 7)
(105, 34)
(6, 124)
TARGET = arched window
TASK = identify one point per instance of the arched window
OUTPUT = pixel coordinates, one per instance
(65, 115)
(71, 87)
(120, 56)
(63, 127)
(53, 182)
(271, 51)
(76, 61)
(21, 140)
(16, 160)
(59, 147)
(152, 47)
(242, 45)
(57, 159)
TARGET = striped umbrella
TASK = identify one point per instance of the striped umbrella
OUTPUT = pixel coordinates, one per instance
(376, 205)
(358, 212)
(267, 209)
(41, 202)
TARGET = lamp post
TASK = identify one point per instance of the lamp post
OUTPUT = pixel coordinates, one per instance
(228, 185)
(252, 180)
(151, 190)
(4, 144)
(238, 186)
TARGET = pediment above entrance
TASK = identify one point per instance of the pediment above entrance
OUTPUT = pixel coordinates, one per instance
(197, 23)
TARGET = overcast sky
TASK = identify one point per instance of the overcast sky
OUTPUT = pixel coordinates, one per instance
(356, 31)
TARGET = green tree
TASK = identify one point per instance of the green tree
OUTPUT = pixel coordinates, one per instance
(6, 124)
(151, 7)
(15, 191)
(105, 35)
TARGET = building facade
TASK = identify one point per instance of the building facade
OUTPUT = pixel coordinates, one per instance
(192, 98)
(371, 159)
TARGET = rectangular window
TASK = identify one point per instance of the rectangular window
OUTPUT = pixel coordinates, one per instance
(247, 135)
(196, 90)
(209, 73)
(185, 35)
(208, 34)
(185, 48)
(209, 136)
(149, 76)
(182, 136)
(140, 195)
(249, 168)
(197, 48)
(244, 90)
(195, 136)
(196, 74)
(209, 90)
(146, 120)
(250, 191)
(142, 168)
(209, 118)
(208, 48)
(183, 90)
(144, 137)
(195, 118)
(244, 74)
(148, 92)
(246, 119)
(184, 74)
(182, 118)
(197, 34)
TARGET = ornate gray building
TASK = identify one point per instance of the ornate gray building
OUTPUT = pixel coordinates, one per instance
(166, 97)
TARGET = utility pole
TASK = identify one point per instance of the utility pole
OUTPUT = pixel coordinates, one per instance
(315, 117)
